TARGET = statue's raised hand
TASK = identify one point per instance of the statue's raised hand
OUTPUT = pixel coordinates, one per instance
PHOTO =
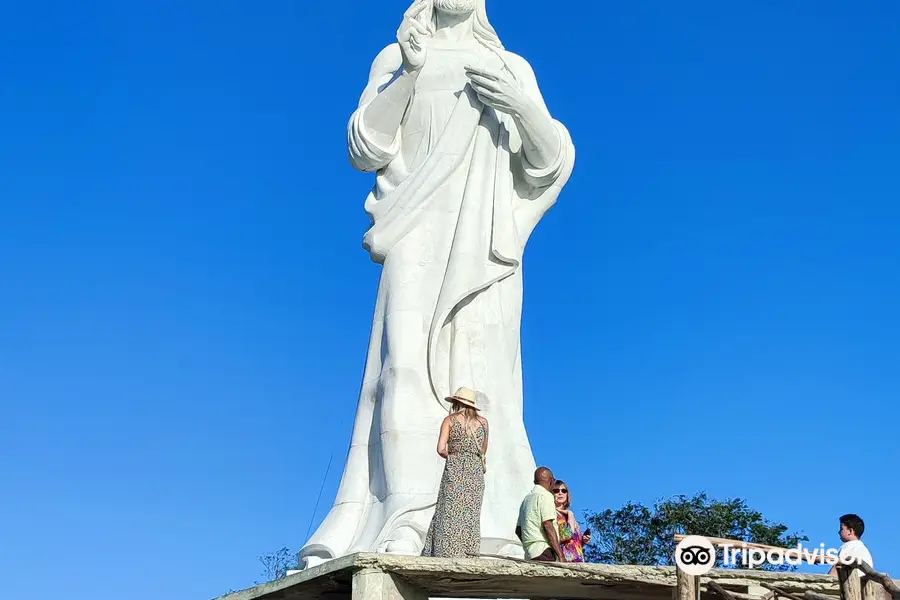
(497, 88)
(412, 36)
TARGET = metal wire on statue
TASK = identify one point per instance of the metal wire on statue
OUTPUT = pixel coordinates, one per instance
(319, 497)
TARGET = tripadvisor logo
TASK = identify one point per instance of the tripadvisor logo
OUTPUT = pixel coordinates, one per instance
(695, 555)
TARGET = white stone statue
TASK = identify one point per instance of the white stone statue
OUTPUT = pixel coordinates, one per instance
(467, 161)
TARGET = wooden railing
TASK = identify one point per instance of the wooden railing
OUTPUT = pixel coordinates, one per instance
(871, 586)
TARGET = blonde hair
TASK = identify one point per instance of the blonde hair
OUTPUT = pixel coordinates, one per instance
(467, 411)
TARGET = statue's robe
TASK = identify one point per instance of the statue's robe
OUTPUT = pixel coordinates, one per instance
(454, 203)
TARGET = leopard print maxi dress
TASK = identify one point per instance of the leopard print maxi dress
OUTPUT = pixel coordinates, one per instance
(455, 529)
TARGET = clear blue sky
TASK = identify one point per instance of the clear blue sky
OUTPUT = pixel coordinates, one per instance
(186, 304)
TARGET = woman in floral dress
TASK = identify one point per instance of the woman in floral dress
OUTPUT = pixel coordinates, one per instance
(571, 539)
(455, 529)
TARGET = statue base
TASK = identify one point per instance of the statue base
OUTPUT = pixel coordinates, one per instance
(394, 577)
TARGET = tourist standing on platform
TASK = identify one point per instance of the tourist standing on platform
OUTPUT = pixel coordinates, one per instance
(455, 529)
(537, 520)
(571, 539)
(853, 549)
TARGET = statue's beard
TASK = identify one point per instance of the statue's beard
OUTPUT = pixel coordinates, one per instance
(455, 7)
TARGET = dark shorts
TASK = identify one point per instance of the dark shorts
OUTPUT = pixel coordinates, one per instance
(546, 556)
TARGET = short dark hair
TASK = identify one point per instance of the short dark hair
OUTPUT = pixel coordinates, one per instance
(854, 522)
(542, 473)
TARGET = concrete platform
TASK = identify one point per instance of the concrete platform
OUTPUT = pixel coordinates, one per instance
(392, 577)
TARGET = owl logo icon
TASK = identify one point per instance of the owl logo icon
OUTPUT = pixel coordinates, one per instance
(695, 555)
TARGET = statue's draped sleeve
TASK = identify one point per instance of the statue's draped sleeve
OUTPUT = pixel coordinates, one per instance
(369, 151)
(536, 189)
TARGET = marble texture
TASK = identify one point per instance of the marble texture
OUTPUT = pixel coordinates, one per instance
(467, 159)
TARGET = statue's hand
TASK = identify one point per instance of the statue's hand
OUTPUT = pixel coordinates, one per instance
(498, 89)
(412, 36)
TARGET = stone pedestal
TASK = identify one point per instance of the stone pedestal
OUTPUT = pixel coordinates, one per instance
(393, 577)
(375, 584)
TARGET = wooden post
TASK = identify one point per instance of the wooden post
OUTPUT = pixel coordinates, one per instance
(871, 590)
(850, 585)
(890, 588)
(686, 585)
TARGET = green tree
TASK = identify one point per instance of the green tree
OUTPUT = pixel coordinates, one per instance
(639, 535)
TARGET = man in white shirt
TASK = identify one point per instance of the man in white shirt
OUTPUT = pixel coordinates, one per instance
(537, 520)
(852, 550)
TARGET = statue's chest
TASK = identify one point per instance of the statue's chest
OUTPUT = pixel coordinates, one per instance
(444, 70)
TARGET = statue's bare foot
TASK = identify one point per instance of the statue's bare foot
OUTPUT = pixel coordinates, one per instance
(312, 561)
(311, 557)
(404, 540)
(513, 550)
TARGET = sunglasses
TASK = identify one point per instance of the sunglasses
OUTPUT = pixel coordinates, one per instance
(560, 491)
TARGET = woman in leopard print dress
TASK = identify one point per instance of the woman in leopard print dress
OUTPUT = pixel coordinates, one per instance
(455, 529)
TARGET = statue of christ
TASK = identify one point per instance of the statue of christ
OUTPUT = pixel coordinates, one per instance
(467, 159)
